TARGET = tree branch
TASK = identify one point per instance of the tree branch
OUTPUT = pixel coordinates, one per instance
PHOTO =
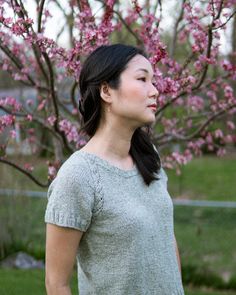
(72, 94)
(178, 137)
(139, 41)
(34, 119)
(25, 172)
(208, 55)
(40, 15)
(225, 22)
(16, 61)
(36, 50)
(173, 45)
(55, 101)
(220, 10)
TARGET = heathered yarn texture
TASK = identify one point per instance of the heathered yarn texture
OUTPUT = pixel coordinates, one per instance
(128, 243)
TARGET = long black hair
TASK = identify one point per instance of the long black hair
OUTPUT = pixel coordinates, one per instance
(105, 64)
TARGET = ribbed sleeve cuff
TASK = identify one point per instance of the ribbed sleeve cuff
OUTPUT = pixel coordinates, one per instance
(65, 220)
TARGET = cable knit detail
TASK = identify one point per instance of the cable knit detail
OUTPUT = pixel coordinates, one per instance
(97, 181)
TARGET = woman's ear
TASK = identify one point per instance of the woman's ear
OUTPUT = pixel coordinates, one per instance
(105, 92)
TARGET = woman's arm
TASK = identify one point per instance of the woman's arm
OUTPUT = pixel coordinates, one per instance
(178, 256)
(61, 249)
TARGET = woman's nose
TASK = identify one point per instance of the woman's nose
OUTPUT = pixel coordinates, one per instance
(153, 91)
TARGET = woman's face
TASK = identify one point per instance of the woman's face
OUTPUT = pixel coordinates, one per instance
(136, 92)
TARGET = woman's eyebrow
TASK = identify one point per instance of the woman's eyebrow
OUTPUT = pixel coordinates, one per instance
(144, 70)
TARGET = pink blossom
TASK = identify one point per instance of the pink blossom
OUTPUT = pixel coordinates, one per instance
(196, 146)
(131, 17)
(9, 101)
(29, 117)
(167, 85)
(209, 139)
(228, 91)
(29, 102)
(29, 167)
(173, 76)
(212, 95)
(5, 67)
(69, 130)
(21, 25)
(180, 159)
(228, 138)
(221, 152)
(219, 133)
(196, 103)
(6, 120)
(227, 66)
(41, 105)
(198, 66)
(138, 8)
(47, 13)
(74, 111)
(230, 125)
(13, 134)
(188, 155)
(195, 48)
(51, 120)
(52, 171)
(210, 147)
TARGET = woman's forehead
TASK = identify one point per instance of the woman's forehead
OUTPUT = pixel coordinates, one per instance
(140, 63)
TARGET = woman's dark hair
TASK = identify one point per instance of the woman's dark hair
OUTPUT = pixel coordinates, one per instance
(105, 64)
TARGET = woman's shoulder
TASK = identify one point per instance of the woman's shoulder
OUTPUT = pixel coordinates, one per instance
(75, 165)
(74, 174)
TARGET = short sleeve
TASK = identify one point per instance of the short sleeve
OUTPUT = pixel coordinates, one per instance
(71, 197)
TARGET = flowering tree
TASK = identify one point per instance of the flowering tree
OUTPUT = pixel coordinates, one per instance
(196, 105)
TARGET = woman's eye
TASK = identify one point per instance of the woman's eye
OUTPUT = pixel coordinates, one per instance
(142, 79)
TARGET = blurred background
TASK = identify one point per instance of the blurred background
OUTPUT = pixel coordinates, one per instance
(204, 193)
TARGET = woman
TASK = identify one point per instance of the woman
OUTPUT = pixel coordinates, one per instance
(108, 206)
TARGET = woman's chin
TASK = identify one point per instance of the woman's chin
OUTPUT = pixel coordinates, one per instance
(151, 119)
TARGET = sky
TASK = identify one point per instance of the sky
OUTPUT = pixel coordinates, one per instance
(168, 9)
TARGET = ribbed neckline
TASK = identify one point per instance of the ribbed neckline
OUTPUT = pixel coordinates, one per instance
(110, 166)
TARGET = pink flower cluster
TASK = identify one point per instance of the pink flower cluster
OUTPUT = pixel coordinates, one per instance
(196, 146)
(195, 103)
(6, 120)
(21, 26)
(70, 131)
(176, 159)
(11, 102)
(184, 103)
(28, 167)
(52, 171)
(51, 120)
(137, 7)
(93, 34)
(168, 86)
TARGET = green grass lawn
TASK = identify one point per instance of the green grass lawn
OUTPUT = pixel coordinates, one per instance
(31, 282)
(205, 178)
(26, 282)
(207, 238)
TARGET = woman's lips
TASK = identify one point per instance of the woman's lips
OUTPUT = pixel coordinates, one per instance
(154, 107)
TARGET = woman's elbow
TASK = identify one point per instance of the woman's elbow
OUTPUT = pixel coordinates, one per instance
(54, 287)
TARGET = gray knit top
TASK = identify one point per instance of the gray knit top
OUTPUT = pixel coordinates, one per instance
(128, 243)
